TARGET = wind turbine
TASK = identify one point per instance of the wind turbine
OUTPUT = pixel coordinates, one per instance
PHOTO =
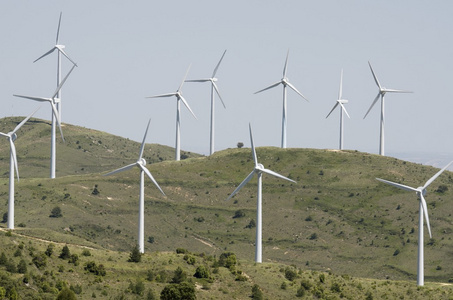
(213, 87)
(381, 93)
(340, 102)
(179, 98)
(12, 136)
(140, 163)
(423, 210)
(284, 81)
(258, 170)
(60, 50)
(53, 101)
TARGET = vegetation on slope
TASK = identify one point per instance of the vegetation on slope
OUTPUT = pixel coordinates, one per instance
(337, 218)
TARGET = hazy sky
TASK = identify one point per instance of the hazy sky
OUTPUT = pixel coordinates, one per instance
(127, 50)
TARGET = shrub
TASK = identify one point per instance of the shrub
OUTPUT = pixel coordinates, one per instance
(300, 292)
(252, 224)
(240, 145)
(95, 269)
(135, 255)
(151, 240)
(5, 218)
(290, 274)
(180, 291)
(227, 259)
(313, 236)
(181, 251)
(22, 267)
(40, 260)
(257, 294)
(239, 214)
(179, 276)
(138, 288)
(49, 250)
(201, 272)
(56, 212)
(86, 252)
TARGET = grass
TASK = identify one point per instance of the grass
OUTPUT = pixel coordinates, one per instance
(337, 218)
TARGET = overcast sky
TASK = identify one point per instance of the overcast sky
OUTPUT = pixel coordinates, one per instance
(127, 50)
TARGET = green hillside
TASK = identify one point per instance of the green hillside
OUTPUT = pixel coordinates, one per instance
(336, 219)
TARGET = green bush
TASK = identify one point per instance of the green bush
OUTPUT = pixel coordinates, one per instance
(201, 272)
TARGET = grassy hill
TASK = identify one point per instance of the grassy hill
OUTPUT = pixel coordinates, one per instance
(336, 219)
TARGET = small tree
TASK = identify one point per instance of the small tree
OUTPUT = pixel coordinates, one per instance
(56, 212)
(49, 250)
(22, 267)
(257, 294)
(179, 276)
(201, 272)
(95, 190)
(135, 255)
(66, 294)
(240, 145)
(65, 253)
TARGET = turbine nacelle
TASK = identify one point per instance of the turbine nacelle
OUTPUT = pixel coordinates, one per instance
(259, 167)
(142, 161)
(12, 136)
(342, 101)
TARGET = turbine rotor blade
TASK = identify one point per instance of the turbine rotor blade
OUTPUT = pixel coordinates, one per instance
(144, 169)
(375, 78)
(396, 91)
(13, 152)
(218, 64)
(163, 95)
(269, 87)
(218, 93)
(55, 113)
(187, 105)
(62, 82)
(372, 104)
(255, 159)
(340, 92)
(425, 212)
(270, 172)
(198, 80)
(398, 185)
(40, 99)
(25, 120)
(125, 168)
(142, 147)
(286, 65)
(45, 54)
(436, 175)
(335, 106)
(187, 72)
(244, 182)
(344, 109)
(64, 53)
(58, 29)
(294, 89)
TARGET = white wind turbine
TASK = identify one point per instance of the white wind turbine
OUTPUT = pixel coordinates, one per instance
(381, 93)
(340, 102)
(284, 81)
(60, 50)
(213, 87)
(258, 170)
(140, 163)
(53, 101)
(179, 98)
(12, 136)
(423, 210)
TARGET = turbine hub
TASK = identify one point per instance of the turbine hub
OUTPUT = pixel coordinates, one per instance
(142, 161)
(13, 137)
(214, 79)
(259, 167)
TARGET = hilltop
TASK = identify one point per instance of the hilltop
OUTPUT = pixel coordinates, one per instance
(337, 218)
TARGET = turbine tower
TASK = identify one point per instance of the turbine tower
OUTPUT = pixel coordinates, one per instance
(12, 136)
(340, 102)
(179, 98)
(213, 80)
(381, 93)
(53, 101)
(285, 82)
(423, 210)
(258, 170)
(141, 163)
(60, 50)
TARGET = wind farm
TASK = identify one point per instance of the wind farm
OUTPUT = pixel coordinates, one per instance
(324, 220)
